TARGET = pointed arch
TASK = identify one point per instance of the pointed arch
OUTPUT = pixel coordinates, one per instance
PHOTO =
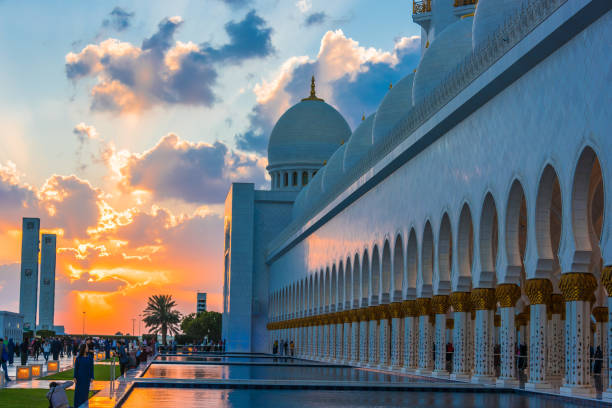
(386, 273)
(365, 276)
(427, 261)
(375, 275)
(412, 258)
(548, 222)
(515, 233)
(398, 269)
(445, 254)
(488, 237)
(356, 282)
(465, 243)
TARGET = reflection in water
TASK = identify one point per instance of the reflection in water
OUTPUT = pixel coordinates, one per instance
(192, 398)
(188, 371)
(232, 359)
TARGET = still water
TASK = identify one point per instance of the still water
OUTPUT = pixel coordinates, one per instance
(192, 398)
(224, 372)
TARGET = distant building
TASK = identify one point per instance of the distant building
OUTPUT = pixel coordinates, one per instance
(201, 307)
(29, 272)
(59, 330)
(11, 325)
(47, 282)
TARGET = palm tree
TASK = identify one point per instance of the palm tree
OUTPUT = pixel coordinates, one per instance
(160, 316)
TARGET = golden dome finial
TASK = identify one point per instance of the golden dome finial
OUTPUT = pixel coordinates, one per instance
(313, 94)
(362, 117)
(390, 85)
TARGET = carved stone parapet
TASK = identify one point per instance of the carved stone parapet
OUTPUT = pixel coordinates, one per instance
(410, 308)
(538, 291)
(461, 301)
(483, 299)
(424, 306)
(439, 304)
(507, 294)
(600, 314)
(396, 310)
(577, 286)
(606, 279)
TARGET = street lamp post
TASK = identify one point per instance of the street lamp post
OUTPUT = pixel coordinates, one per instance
(84, 322)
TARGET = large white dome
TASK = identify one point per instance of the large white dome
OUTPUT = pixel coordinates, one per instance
(450, 47)
(307, 134)
(359, 143)
(395, 104)
(489, 16)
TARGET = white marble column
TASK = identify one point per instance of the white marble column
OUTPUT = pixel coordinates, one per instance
(439, 305)
(425, 337)
(320, 340)
(577, 289)
(483, 300)
(331, 341)
(339, 341)
(507, 338)
(411, 336)
(606, 280)
(364, 338)
(471, 324)
(461, 303)
(539, 292)
(355, 338)
(384, 343)
(556, 356)
(601, 340)
(373, 341)
(396, 336)
(346, 347)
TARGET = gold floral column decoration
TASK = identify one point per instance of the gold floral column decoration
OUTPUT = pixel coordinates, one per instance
(507, 294)
(410, 308)
(577, 286)
(600, 314)
(423, 306)
(461, 301)
(606, 279)
(439, 304)
(483, 299)
(396, 310)
(538, 291)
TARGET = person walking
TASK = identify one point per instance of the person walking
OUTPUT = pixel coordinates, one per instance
(55, 348)
(83, 376)
(11, 351)
(23, 348)
(4, 358)
(46, 350)
(292, 348)
(57, 394)
(124, 359)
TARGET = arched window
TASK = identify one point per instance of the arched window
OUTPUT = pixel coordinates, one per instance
(286, 179)
(294, 179)
(304, 178)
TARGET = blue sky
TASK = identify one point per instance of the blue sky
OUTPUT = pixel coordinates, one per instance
(123, 124)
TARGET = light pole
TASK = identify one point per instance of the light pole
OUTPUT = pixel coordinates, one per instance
(84, 323)
(133, 323)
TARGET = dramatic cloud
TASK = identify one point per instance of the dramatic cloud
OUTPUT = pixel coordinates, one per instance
(235, 4)
(315, 19)
(191, 172)
(163, 71)
(119, 19)
(349, 76)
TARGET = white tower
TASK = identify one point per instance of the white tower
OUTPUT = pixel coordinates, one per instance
(29, 272)
(47, 282)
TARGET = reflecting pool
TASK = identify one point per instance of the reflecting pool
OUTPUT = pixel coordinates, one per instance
(284, 372)
(229, 359)
(192, 398)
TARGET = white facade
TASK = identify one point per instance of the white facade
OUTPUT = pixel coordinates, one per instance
(485, 209)
(47, 282)
(11, 326)
(28, 293)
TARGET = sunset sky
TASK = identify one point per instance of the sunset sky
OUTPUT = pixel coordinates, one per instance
(122, 125)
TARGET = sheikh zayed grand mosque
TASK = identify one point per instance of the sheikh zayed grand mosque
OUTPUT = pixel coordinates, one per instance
(472, 209)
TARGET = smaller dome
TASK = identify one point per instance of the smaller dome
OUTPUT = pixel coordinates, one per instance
(489, 16)
(395, 104)
(359, 143)
(334, 169)
(315, 189)
(451, 46)
(300, 201)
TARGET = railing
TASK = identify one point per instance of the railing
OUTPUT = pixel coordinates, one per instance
(532, 13)
(460, 3)
(421, 6)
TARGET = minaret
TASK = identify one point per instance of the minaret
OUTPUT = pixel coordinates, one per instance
(435, 15)
(47, 282)
(28, 291)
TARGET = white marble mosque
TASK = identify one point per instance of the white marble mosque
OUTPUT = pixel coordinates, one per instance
(474, 207)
